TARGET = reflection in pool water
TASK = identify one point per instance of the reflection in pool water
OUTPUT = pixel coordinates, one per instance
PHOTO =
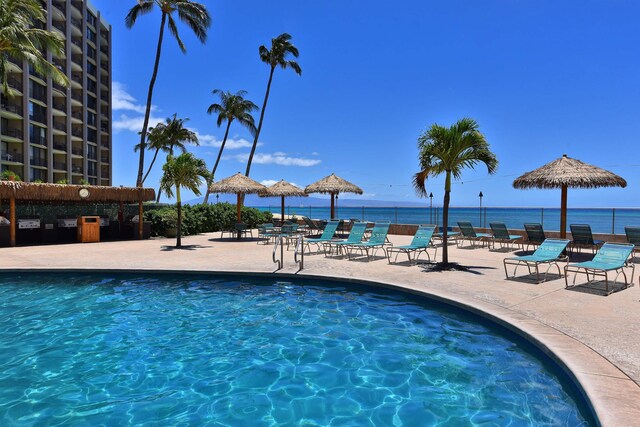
(195, 350)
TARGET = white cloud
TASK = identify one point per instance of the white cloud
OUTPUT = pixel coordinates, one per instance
(270, 182)
(231, 144)
(123, 100)
(133, 124)
(276, 159)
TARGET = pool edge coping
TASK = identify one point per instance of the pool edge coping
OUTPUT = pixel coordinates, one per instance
(593, 375)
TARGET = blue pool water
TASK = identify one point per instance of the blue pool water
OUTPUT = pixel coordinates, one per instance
(195, 350)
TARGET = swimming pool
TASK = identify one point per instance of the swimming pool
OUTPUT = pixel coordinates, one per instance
(198, 350)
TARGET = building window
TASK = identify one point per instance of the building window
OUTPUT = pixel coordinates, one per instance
(92, 168)
(37, 113)
(91, 52)
(91, 118)
(92, 135)
(91, 68)
(91, 19)
(92, 152)
(91, 102)
(37, 91)
(91, 85)
(37, 175)
(37, 135)
(91, 35)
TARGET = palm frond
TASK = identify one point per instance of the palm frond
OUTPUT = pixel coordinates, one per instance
(173, 29)
(141, 8)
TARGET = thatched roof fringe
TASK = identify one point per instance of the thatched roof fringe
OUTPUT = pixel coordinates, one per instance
(570, 172)
(35, 192)
(333, 184)
(283, 188)
(237, 184)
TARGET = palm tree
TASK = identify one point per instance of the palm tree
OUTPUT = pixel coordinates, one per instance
(21, 41)
(166, 137)
(281, 48)
(232, 107)
(184, 171)
(449, 151)
(195, 16)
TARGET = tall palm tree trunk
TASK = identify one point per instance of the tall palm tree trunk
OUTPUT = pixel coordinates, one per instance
(264, 107)
(445, 219)
(179, 225)
(147, 113)
(155, 155)
(213, 171)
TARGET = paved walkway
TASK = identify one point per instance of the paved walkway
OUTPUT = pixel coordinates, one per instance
(585, 329)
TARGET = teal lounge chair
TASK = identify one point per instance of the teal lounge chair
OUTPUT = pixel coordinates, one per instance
(377, 241)
(327, 235)
(451, 235)
(355, 236)
(551, 251)
(267, 232)
(502, 236)
(469, 233)
(633, 235)
(610, 257)
(420, 243)
(581, 237)
(535, 234)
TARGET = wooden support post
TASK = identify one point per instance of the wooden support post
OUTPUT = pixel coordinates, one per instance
(140, 218)
(239, 212)
(563, 213)
(282, 208)
(13, 220)
(332, 206)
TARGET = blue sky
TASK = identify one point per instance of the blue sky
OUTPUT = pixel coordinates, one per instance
(542, 78)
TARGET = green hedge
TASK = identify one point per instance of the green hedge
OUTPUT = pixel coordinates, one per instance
(198, 219)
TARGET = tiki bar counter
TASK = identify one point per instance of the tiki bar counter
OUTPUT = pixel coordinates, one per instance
(32, 213)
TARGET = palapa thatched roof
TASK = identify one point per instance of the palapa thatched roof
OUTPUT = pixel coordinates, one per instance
(283, 188)
(66, 193)
(237, 184)
(333, 184)
(570, 172)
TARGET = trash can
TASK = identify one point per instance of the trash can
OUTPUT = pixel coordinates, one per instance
(88, 229)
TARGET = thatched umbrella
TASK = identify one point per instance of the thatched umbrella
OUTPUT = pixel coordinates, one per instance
(566, 172)
(283, 189)
(332, 185)
(237, 184)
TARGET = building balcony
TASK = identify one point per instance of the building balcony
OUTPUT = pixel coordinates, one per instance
(12, 110)
(60, 146)
(38, 140)
(60, 106)
(58, 87)
(77, 151)
(76, 132)
(77, 115)
(38, 118)
(37, 75)
(60, 166)
(60, 126)
(35, 161)
(76, 170)
(104, 159)
(14, 157)
(61, 27)
(14, 84)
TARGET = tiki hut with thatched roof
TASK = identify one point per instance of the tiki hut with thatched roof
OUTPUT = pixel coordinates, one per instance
(565, 173)
(283, 189)
(332, 185)
(16, 191)
(237, 184)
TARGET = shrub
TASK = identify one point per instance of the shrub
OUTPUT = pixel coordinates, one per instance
(8, 174)
(198, 219)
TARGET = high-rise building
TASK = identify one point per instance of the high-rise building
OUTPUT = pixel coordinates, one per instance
(52, 133)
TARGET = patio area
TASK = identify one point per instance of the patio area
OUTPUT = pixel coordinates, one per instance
(596, 336)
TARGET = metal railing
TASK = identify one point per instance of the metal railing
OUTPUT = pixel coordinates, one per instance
(60, 166)
(60, 146)
(12, 157)
(278, 244)
(35, 161)
(14, 83)
(12, 108)
(13, 133)
(60, 126)
(299, 252)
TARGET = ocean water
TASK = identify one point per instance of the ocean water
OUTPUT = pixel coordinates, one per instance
(170, 350)
(601, 220)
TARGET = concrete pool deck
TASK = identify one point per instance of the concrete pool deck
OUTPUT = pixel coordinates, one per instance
(597, 337)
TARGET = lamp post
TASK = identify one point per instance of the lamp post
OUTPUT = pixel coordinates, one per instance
(217, 197)
(431, 208)
(481, 196)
